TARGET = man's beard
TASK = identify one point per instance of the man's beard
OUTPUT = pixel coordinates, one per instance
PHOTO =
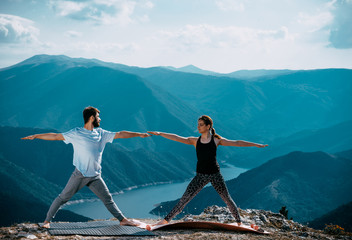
(95, 123)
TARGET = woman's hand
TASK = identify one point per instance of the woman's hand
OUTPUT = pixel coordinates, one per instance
(31, 137)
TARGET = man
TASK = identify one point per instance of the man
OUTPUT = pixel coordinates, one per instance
(88, 144)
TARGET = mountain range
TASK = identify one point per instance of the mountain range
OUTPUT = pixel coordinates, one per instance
(51, 92)
(292, 111)
(266, 108)
(331, 140)
(241, 74)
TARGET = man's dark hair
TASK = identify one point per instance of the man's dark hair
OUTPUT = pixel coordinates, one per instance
(88, 112)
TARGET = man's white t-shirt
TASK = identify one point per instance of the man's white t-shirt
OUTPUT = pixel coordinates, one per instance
(88, 147)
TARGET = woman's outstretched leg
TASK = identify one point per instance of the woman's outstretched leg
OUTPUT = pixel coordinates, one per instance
(218, 183)
(193, 188)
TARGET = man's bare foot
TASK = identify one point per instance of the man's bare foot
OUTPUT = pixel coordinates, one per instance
(162, 222)
(126, 222)
(46, 224)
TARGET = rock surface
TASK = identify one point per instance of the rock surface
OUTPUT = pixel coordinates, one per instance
(275, 223)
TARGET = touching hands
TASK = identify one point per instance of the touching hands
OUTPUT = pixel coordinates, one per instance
(154, 133)
(143, 135)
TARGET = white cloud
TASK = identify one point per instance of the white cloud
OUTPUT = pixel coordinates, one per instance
(193, 37)
(101, 50)
(73, 34)
(148, 4)
(315, 22)
(14, 29)
(231, 5)
(94, 47)
(67, 8)
(102, 11)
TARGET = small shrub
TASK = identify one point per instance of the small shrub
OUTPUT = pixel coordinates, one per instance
(284, 212)
(334, 229)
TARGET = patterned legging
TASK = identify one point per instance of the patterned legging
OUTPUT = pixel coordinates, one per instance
(194, 187)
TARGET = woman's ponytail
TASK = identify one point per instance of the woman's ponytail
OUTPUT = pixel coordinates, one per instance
(214, 134)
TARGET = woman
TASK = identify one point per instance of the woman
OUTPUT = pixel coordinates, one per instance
(208, 169)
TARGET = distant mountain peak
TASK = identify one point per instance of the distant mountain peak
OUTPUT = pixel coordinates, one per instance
(190, 67)
(193, 69)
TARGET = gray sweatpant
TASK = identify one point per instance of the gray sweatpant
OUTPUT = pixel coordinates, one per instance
(75, 183)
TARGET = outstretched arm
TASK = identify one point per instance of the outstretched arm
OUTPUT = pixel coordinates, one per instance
(177, 138)
(127, 134)
(45, 136)
(240, 143)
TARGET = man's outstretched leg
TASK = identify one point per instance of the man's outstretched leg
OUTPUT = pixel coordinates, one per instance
(74, 184)
(100, 189)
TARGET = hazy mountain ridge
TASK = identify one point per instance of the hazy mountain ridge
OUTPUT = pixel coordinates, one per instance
(308, 184)
(25, 196)
(240, 74)
(333, 139)
(194, 69)
(125, 99)
(273, 106)
(341, 216)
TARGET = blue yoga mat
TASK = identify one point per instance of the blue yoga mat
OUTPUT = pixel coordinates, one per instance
(95, 228)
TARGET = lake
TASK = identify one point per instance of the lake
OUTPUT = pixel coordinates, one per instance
(137, 203)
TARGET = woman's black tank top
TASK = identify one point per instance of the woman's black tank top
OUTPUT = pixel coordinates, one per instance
(206, 155)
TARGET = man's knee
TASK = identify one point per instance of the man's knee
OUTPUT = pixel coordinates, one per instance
(64, 198)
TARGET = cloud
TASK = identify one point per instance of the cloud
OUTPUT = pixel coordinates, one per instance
(341, 28)
(94, 47)
(73, 34)
(14, 29)
(193, 37)
(315, 22)
(231, 5)
(101, 11)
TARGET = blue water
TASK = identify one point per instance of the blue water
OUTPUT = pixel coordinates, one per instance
(138, 202)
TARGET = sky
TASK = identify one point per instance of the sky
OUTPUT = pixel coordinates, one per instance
(216, 35)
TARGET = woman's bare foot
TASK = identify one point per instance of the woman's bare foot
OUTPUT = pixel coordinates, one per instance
(126, 222)
(46, 224)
